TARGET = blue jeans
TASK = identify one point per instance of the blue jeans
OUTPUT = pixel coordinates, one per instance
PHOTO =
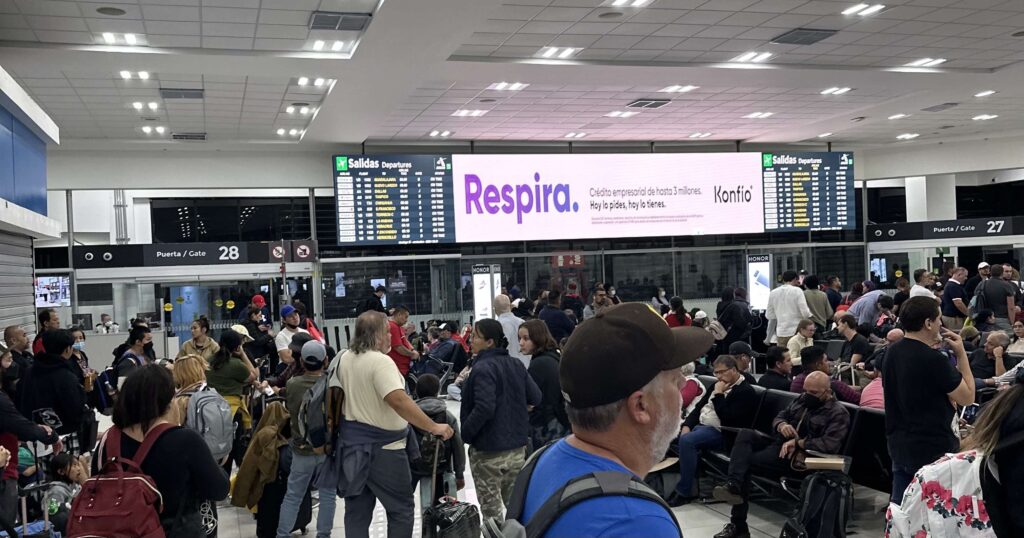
(902, 476)
(299, 477)
(690, 445)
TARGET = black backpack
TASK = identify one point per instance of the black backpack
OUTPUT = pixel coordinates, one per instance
(826, 502)
(577, 490)
(429, 447)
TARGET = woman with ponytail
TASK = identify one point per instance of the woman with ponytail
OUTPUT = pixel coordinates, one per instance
(496, 400)
(677, 315)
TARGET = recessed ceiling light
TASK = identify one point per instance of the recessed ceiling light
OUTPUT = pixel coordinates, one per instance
(752, 57)
(621, 114)
(110, 11)
(619, 3)
(985, 93)
(824, 135)
(318, 45)
(137, 105)
(700, 135)
(109, 38)
(446, 134)
(127, 75)
(759, 115)
(463, 112)
(558, 52)
(442, 134)
(304, 110)
(907, 136)
(318, 82)
(160, 129)
(280, 132)
(153, 105)
(143, 75)
(338, 45)
(678, 89)
(835, 91)
(147, 129)
(984, 117)
(290, 110)
(130, 39)
(872, 10)
(855, 9)
(610, 15)
(293, 132)
(575, 135)
(507, 86)
(926, 62)
(435, 133)
(1017, 34)
(898, 116)
(303, 81)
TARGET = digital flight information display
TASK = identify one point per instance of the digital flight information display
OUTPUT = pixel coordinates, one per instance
(394, 199)
(808, 191)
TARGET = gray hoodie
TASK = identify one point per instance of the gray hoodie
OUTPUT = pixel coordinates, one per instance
(435, 406)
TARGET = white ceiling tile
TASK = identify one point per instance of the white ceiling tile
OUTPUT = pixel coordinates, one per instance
(301, 5)
(213, 42)
(40, 22)
(775, 6)
(592, 28)
(636, 29)
(11, 20)
(254, 4)
(790, 20)
(48, 7)
(658, 43)
(279, 44)
(660, 16)
(170, 13)
(500, 26)
(126, 26)
(545, 27)
(722, 31)
(173, 41)
(562, 14)
(162, 27)
(616, 42)
(699, 43)
(639, 55)
(513, 12)
(280, 16)
(53, 36)
(228, 14)
(280, 31)
(487, 38)
(679, 30)
(228, 29)
(535, 40)
(703, 17)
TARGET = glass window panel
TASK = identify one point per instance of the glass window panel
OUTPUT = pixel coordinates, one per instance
(348, 285)
(637, 277)
(845, 262)
(703, 274)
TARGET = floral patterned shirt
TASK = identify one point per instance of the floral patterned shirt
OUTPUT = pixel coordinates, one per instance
(944, 500)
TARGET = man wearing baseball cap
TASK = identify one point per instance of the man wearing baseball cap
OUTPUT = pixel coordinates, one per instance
(289, 328)
(313, 356)
(621, 375)
(743, 354)
(984, 271)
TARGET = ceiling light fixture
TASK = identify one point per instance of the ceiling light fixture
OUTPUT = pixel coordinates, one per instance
(863, 9)
(621, 114)
(318, 82)
(137, 105)
(304, 110)
(855, 9)
(303, 81)
(280, 132)
(759, 115)
(926, 62)
(575, 135)
(558, 52)
(463, 112)
(153, 105)
(338, 45)
(678, 89)
(109, 38)
(143, 75)
(872, 10)
(318, 45)
(835, 91)
(824, 135)
(127, 75)
(442, 134)
(985, 117)
(130, 39)
(985, 93)
(700, 135)
(290, 110)
(293, 132)
(507, 86)
(752, 57)
(147, 129)
(110, 11)
(907, 136)
(160, 129)
(898, 116)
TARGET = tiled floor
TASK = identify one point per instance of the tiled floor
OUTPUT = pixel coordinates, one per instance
(697, 520)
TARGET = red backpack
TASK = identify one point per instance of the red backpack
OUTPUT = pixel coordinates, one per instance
(120, 501)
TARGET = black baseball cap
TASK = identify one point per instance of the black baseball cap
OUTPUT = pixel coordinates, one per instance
(299, 340)
(740, 348)
(621, 349)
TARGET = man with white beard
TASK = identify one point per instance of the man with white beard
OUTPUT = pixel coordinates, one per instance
(621, 376)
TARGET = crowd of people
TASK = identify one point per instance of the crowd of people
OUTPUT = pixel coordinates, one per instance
(610, 392)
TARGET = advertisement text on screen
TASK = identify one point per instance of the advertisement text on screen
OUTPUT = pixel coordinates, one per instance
(541, 198)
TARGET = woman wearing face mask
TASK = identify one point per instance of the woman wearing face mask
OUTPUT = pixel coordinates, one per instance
(612, 296)
(548, 421)
(495, 416)
(660, 303)
(201, 344)
(986, 479)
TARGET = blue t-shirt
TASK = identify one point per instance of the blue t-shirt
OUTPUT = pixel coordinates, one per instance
(604, 516)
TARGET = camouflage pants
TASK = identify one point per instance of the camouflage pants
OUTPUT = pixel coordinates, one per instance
(494, 474)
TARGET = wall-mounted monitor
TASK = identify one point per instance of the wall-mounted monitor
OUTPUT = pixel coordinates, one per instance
(416, 199)
(52, 291)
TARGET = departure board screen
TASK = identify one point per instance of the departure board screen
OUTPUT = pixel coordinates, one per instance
(394, 199)
(806, 191)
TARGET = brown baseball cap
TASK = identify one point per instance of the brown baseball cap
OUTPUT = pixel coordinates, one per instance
(621, 349)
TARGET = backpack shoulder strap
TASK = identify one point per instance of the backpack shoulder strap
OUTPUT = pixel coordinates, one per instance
(110, 445)
(522, 483)
(590, 486)
(147, 443)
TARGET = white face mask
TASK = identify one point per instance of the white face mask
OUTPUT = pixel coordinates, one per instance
(661, 294)
(611, 292)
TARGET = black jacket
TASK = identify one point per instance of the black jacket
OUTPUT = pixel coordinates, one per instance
(544, 371)
(824, 429)
(262, 344)
(494, 401)
(735, 410)
(774, 380)
(13, 422)
(372, 303)
(558, 323)
(736, 318)
(51, 383)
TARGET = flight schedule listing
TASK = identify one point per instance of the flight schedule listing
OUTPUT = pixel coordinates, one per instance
(394, 199)
(806, 191)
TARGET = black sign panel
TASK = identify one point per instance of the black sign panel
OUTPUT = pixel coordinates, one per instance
(166, 254)
(394, 199)
(806, 191)
(177, 254)
(946, 229)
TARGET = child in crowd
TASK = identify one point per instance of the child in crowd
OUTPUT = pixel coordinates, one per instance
(450, 455)
(68, 473)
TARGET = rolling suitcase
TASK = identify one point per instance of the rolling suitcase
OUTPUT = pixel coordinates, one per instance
(448, 517)
(268, 512)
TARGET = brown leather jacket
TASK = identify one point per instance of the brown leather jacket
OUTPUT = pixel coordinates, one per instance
(259, 467)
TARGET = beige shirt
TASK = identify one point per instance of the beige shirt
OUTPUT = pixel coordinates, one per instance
(366, 379)
(207, 352)
(796, 345)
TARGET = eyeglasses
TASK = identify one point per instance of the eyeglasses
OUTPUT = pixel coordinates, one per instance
(720, 372)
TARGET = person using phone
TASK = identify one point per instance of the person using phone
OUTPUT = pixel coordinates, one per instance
(921, 391)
